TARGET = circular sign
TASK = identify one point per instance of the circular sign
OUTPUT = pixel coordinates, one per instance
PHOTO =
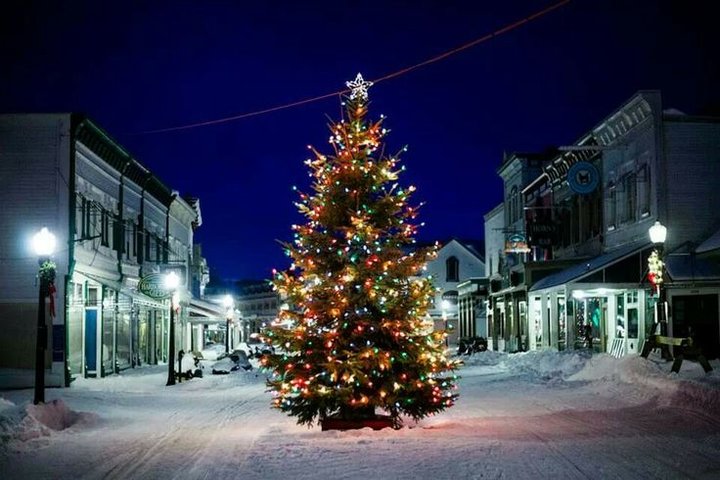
(153, 286)
(583, 178)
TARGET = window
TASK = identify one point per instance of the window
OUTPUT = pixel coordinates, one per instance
(513, 205)
(452, 269)
(133, 247)
(628, 208)
(611, 207)
(158, 249)
(119, 235)
(84, 217)
(140, 244)
(104, 228)
(643, 187)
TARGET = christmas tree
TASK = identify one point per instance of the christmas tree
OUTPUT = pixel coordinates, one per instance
(356, 338)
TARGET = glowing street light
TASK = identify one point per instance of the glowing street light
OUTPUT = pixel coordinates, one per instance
(43, 244)
(228, 303)
(172, 282)
(658, 233)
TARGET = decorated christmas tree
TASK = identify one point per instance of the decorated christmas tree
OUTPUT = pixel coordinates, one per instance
(355, 341)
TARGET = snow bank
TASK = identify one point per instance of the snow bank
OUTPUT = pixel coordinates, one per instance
(691, 388)
(20, 424)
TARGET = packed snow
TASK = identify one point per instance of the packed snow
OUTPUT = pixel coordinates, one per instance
(536, 414)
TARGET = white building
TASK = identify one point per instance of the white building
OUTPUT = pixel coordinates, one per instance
(456, 261)
(115, 223)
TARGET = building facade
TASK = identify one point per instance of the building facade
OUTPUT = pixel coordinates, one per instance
(456, 262)
(586, 220)
(116, 224)
(507, 302)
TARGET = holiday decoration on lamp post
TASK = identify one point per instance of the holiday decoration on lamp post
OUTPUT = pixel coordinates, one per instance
(656, 266)
(356, 340)
(43, 244)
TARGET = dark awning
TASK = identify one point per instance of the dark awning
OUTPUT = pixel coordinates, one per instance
(590, 266)
(689, 268)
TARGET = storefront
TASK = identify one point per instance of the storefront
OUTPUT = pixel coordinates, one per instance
(600, 304)
(111, 327)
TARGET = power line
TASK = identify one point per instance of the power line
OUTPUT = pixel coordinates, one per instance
(496, 33)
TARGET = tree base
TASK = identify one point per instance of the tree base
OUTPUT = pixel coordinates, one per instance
(377, 422)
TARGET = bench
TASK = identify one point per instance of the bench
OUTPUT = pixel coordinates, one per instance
(682, 347)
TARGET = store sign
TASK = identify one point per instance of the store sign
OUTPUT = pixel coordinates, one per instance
(451, 296)
(516, 243)
(583, 178)
(153, 286)
(541, 234)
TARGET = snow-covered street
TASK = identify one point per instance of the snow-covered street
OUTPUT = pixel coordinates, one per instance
(538, 414)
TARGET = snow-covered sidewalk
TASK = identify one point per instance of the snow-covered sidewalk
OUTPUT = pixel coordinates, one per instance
(537, 414)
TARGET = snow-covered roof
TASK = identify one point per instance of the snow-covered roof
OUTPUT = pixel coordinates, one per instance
(712, 243)
(690, 268)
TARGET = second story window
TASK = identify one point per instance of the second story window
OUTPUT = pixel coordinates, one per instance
(513, 205)
(105, 228)
(611, 207)
(643, 186)
(628, 207)
(452, 269)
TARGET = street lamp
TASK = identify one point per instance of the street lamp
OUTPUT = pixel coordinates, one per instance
(445, 308)
(658, 234)
(172, 281)
(228, 303)
(43, 244)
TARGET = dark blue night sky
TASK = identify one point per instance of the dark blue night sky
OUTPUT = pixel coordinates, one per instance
(139, 66)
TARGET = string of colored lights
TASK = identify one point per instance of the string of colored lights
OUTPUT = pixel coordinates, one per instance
(356, 336)
(437, 58)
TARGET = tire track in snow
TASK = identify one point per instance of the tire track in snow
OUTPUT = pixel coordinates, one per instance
(185, 443)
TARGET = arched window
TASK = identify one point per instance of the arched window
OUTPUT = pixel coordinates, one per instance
(452, 269)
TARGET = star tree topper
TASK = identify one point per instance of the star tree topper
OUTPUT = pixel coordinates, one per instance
(359, 87)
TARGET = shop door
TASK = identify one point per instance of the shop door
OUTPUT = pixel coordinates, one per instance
(697, 316)
(91, 341)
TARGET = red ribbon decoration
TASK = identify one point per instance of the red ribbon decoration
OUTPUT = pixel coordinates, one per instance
(51, 293)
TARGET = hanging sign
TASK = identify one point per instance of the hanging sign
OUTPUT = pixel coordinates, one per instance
(583, 178)
(153, 286)
(516, 243)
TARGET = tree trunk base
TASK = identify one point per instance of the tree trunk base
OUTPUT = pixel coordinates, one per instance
(377, 422)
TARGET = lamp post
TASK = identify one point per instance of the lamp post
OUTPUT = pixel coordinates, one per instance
(658, 234)
(445, 307)
(172, 281)
(43, 244)
(228, 303)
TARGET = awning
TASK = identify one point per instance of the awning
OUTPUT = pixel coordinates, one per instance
(205, 312)
(689, 268)
(124, 290)
(590, 266)
(505, 291)
(710, 244)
